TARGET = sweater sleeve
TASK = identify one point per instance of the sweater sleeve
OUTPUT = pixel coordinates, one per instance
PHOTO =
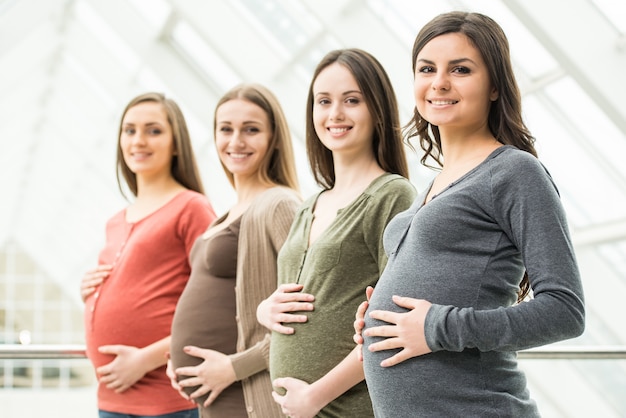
(527, 207)
(253, 360)
(274, 224)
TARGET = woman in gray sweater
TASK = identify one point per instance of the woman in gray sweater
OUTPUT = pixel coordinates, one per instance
(450, 310)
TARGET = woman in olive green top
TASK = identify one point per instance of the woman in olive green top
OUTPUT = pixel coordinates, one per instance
(334, 248)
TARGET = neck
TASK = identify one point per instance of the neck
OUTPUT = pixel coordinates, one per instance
(248, 189)
(148, 188)
(354, 172)
(461, 147)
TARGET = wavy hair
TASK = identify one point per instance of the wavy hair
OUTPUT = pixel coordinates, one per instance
(505, 115)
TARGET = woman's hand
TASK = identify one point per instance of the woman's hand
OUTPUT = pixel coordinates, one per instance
(125, 370)
(213, 375)
(405, 330)
(298, 402)
(277, 309)
(359, 322)
(169, 371)
(92, 279)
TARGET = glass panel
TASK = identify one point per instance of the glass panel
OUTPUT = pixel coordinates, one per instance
(615, 255)
(406, 17)
(103, 31)
(202, 56)
(36, 310)
(614, 11)
(589, 194)
(600, 132)
(88, 79)
(288, 26)
(156, 12)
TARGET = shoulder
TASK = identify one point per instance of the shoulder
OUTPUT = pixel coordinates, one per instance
(309, 202)
(187, 196)
(512, 160)
(515, 170)
(118, 218)
(391, 185)
(276, 196)
(193, 207)
(273, 203)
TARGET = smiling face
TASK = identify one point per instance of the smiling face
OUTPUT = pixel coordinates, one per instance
(146, 140)
(242, 137)
(340, 115)
(451, 85)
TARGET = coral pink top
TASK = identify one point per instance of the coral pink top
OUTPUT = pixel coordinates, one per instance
(135, 305)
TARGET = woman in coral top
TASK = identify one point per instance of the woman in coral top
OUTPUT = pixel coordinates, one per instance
(142, 270)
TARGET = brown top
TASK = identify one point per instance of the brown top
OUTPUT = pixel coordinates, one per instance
(205, 314)
(263, 229)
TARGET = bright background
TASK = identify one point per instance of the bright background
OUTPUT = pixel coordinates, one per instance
(68, 67)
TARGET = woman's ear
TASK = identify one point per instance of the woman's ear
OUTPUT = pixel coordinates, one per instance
(494, 94)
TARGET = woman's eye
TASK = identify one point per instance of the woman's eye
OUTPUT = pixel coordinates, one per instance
(155, 132)
(252, 130)
(461, 70)
(129, 131)
(353, 100)
(225, 129)
(323, 101)
(426, 69)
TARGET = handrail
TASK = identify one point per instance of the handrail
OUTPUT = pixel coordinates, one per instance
(41, 351)
(72, 351)
(612, 352)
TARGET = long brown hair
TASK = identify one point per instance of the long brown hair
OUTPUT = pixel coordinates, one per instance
(505, 115)
(278, 166)
(382, 104)
(184, 168)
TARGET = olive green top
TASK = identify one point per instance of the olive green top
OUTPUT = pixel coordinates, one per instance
(346, 258)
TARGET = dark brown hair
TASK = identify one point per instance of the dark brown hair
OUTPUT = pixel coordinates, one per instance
(382, 104)
(505, 115)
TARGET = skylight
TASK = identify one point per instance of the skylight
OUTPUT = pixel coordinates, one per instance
(119, 48)
(614, 11)
(287, 25)
(156, 12)
(199, 53)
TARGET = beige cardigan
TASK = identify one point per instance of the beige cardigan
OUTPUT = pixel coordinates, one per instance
(264, 228)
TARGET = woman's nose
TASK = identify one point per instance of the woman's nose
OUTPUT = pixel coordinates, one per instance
(441, 82)
(336, 112)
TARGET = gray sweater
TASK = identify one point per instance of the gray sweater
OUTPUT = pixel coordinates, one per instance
(466, 251)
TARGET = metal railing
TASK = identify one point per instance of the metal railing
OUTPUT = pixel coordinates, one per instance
(52, 351)
(41, 351)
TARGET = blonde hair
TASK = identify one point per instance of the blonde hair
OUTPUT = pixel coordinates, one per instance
(278, 166)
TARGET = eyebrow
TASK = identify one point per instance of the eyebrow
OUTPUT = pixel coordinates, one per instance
(245, 122)
(147, 124)
(345, 93)
(453, 62)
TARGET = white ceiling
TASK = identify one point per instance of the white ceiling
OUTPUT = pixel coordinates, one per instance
(68, 67)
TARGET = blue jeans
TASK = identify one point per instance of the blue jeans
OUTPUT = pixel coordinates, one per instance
(189, 413)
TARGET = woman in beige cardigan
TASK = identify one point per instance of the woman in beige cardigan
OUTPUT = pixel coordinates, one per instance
(219, 352)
